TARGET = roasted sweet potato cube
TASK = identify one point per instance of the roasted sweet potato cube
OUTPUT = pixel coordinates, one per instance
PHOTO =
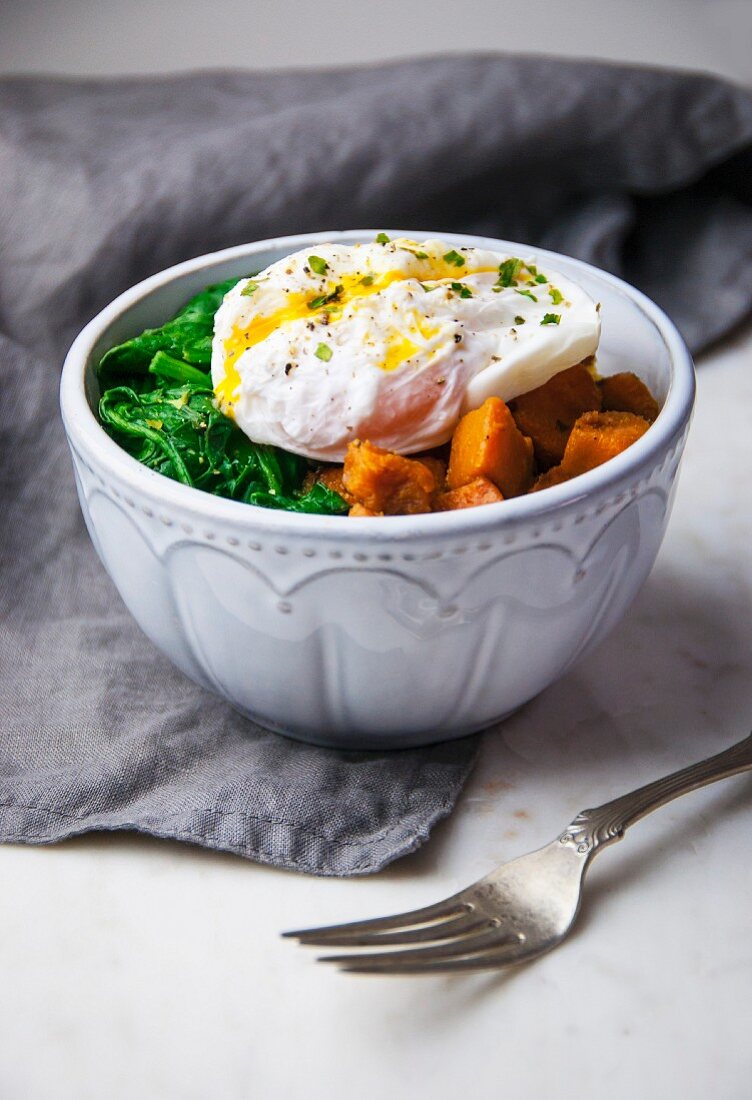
(478, 491)
(388, 483)
(487, 443)
(555, 476)
(596, 437)
(437, 467)
(547, 413)
(627, 393)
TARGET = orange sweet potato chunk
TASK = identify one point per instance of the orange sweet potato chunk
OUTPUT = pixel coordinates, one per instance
(628, 393)
(437, 467)
(546, 414)
(478, 491)
(596, 437)
(555, 476)
(387, 483)
(488, 444)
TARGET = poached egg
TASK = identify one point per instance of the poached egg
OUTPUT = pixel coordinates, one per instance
(391, 342)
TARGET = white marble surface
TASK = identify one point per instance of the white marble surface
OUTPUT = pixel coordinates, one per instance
(136, 968)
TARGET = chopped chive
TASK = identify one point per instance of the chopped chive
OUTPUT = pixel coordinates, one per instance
(367, 280)
(428, 289)
(551, 318)
(323, 352)
(556, 296)
(318, 264)
(519, 320)
(527, 294)
(454, 257)
(541, 279)
(325, 299)
(462, 290)
(249, 289)
(417, 255)
(382, 238)
(508, 272)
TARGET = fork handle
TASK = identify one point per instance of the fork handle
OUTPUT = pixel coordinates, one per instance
(593, 829)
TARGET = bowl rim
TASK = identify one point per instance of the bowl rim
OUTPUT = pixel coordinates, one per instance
(85, 433)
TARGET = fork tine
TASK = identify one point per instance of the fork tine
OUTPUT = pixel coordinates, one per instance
(442, 910)
(423, 934)
(491, 961)
(389, 963)
(466, 945)
(427, 933)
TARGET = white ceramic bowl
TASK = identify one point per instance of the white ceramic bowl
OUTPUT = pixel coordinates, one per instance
(374, 633)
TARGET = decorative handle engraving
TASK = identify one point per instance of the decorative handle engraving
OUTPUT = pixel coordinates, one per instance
(594, 829)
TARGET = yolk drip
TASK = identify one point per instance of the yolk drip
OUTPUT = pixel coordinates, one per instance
(260, 327)
(401, 347)
(398, 351)
(297, 307)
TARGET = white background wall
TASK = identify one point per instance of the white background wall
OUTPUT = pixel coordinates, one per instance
(139, 36)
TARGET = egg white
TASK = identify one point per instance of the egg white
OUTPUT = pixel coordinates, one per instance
(390, 342)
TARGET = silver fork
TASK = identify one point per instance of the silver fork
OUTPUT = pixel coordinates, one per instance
(521, 909)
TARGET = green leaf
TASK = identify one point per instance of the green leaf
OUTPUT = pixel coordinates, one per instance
(381, 238)
(320, 501)
(125, 412)
(455, 258)
(323, 500)
(324, 352)
(166, 368)
(551, 318)
(317, 264)
(187, 336)
(541, 278)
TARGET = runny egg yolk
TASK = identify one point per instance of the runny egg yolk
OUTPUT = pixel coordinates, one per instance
(346, 289)
(398, 351)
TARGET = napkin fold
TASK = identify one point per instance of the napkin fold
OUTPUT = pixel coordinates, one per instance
(644, 172)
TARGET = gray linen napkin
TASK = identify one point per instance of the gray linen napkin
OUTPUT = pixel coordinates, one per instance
(643, 172)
